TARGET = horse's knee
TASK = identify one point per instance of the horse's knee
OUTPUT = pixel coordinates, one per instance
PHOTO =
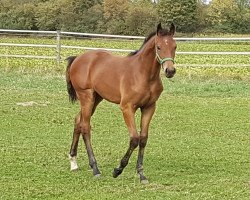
(143, 141)
(82, 127)
(85, 129)
(134, 141)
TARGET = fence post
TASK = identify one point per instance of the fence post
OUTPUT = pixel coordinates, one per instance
(58, 47)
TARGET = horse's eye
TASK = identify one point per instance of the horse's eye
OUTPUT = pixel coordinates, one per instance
(158, 47)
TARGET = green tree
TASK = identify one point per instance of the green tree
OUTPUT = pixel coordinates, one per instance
(18, 17)
(68, 18)
(201, 15)
(80, 6)
(24, 16)
(182, 12)
(48, 15)
(82, 16)
(229, 16)
(115, 12)
(141, 18)
(243, 18)
(5, 6)
(94, 20)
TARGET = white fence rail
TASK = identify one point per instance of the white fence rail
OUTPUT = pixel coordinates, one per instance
(57, 46)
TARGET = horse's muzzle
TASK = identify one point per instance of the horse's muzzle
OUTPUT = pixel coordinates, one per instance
(170, 72)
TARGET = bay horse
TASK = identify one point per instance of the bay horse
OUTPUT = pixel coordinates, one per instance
(132, 82)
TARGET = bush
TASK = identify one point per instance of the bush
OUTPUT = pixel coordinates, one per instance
(141, 18)
(20, 17)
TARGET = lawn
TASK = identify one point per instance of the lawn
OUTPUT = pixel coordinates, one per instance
(198, 144)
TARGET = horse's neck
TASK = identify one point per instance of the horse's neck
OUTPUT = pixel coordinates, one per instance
(147, 56)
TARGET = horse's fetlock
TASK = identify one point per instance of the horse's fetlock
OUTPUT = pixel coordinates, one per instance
(124, 163)
(92, 164)
(117, 172)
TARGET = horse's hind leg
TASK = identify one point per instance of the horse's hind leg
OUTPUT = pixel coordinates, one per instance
(74, 145)
(98, 99)
(87, 101)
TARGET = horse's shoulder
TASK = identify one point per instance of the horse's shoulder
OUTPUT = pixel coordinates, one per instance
(156, 86)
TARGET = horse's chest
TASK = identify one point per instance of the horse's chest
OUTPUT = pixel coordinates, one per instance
(152, 93)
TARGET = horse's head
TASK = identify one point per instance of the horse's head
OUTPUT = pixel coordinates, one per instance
(165, 47)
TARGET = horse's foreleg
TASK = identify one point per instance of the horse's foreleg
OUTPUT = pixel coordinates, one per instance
(146, 117)
(129, 117)
(74, 145)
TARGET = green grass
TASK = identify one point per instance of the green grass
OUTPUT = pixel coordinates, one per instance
(198, 144)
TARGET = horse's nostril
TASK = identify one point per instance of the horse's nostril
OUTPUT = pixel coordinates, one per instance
(170, 72)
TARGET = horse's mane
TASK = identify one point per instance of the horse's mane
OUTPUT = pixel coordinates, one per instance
(162, 32)
(144, 42)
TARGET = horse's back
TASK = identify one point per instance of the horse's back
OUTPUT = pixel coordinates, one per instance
(100, 71)
(83, 66)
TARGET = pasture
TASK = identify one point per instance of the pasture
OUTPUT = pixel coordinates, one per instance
(198, 144)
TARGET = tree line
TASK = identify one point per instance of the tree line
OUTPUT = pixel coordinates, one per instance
(129, 17)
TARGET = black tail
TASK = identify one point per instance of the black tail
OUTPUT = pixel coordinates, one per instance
(70, 88)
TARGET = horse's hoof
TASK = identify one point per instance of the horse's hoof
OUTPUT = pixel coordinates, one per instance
(116, 172)
(144, 181)
(115, 175)
(73, 166)
(97, 176)
(74, 169)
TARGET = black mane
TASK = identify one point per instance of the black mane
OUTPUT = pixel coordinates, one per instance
(144, 42)
(162, 32)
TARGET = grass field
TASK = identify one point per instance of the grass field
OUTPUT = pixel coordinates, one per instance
(198, 147)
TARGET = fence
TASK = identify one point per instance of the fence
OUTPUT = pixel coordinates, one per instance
(58, 47)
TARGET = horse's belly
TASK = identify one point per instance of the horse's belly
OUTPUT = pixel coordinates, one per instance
(110, 97)
(108, 92)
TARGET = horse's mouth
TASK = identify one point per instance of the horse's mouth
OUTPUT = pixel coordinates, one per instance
(169, 75)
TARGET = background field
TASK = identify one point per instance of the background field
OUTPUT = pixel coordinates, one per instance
(239, 72)
(198, 145)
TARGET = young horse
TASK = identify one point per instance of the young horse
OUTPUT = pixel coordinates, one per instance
(132, 82)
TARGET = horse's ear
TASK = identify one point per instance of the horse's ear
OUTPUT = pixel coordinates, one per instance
(172, 29)
(159, 28)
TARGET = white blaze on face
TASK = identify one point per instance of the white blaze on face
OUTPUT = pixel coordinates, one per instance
(165, 65)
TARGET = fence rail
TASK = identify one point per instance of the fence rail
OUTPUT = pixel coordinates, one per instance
(118, 36)
(57, 46)
(120, 50)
